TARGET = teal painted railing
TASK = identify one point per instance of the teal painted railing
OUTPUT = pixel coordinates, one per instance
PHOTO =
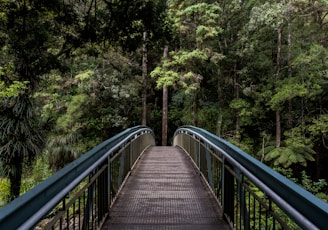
(252, 195)
(79, 195)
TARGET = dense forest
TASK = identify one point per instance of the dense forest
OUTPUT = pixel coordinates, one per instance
(75, 72)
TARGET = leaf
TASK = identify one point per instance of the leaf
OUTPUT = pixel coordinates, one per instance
(85, 76)
(13, 90)
(319, 125)
(286, 156)
(272, 154)
(287, 92)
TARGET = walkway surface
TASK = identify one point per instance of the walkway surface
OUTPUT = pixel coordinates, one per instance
(165, 191)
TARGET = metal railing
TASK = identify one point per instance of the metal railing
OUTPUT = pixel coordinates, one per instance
(79, 195)
(252, 195)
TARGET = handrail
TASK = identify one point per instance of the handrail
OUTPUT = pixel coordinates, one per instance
(304, 208)
(37, 202)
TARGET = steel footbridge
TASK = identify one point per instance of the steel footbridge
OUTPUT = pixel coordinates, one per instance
(200, 182)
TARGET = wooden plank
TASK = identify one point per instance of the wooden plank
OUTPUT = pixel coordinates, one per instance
(165, 191)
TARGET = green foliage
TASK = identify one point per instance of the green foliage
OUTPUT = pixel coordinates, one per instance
(246, 144)
(21, 138)
(296, 150)
(201, 20)
(244, 109)
(4, 191)
(267, 14)
(286, 156)
(197, 24)
(180, 69)
(295, 137)
(287, 172)
(314, 187)
(74, 112)
(317, 188)
(98, 98)
(74, 64)
(93, 101)
(319, 125)
(12, 90)
(287, 92)
(84, 76)
(62, 150)
(33, 175)
(28, 40)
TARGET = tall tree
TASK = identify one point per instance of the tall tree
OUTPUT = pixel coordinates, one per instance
(144, 79)
(27, 29)
(33, 42)
(192, 51)
(165, 104)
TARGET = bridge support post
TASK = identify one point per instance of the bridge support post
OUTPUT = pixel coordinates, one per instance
(102, 191)
(109, 181)
(121, 169)
(209, 167)
(228, 192)
(88, 209)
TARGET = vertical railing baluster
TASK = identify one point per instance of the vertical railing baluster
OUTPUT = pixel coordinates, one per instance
(109, 182)
(60, 223)
(79, 211)
(209, 166)
(260, 214)
(223, 184)
(254, 211)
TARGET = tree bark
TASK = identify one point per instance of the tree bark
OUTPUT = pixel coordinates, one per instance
(289, 63)
(15, 176)
(144, 79)
(165, 105)
(220, 105)
(194, 111)
(236, 94)
(278, 118)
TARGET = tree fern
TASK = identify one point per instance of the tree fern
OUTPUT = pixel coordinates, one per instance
(285, 156)
(62, 150)
(21, 139)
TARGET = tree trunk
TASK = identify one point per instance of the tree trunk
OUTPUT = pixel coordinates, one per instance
(144, 79)
(220, 105)
(194, 111)
(15, 177)
(236, 94)
(278, 129)
(278, 118)
(289, 63)
(165, 105)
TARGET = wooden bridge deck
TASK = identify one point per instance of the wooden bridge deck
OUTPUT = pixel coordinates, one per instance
(165, 191)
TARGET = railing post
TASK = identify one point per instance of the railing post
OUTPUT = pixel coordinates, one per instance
(121, 169)
(244, 215)
(109, 182)
(198, 157)
(209, 167)
(131, 154)
(88, 206)
(229, 192)
(102, 191)
(223, 183)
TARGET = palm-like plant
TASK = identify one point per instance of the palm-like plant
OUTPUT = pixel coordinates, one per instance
(61, 150)
(288, 154)
(20, 138)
